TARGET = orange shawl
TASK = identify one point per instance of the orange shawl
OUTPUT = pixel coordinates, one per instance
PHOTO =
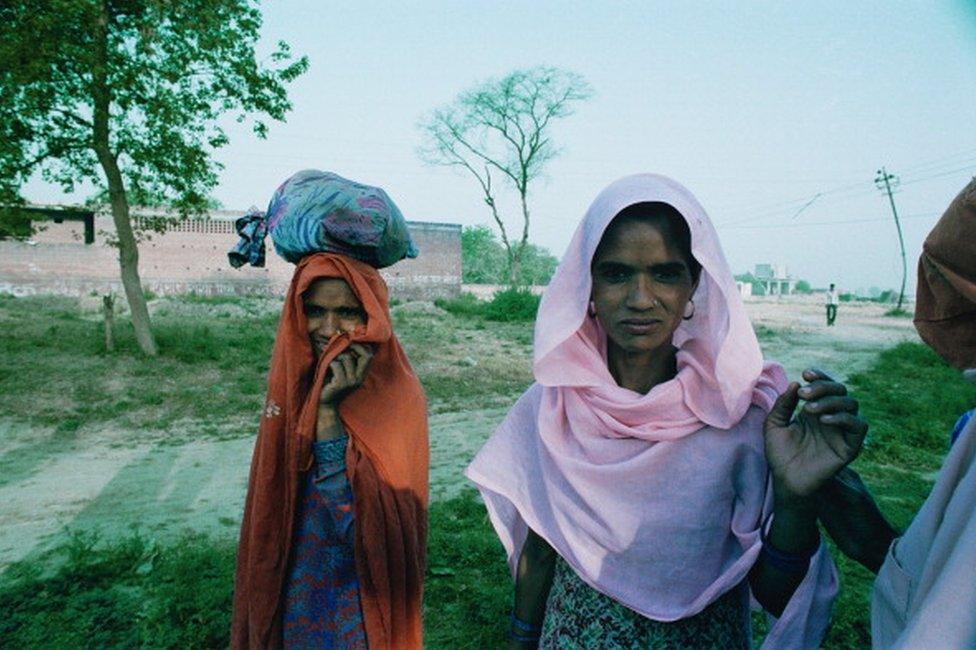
(945, 303)
(386, 461)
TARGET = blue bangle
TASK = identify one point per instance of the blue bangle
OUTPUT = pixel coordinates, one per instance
(522, 631)
(796, 563)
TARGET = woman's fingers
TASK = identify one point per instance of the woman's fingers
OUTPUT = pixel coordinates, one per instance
(820, 388)
(782, 411)
(847, 421)
(815, 374)
(338, 369)
(354, 363)
(831, 404)
(348, 365)
(364, 356)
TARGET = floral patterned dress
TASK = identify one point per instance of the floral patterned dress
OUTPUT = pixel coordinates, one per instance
(322, 608)
(580, 617)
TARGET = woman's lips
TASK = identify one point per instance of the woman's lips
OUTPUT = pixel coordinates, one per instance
(639, 325)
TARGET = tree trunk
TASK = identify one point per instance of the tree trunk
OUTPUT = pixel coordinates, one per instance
(108, 309)
(128, 249)
(516, 260)
(128, 257)
(515, 266)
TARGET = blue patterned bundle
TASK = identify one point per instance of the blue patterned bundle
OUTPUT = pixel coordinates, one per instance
(315, 212)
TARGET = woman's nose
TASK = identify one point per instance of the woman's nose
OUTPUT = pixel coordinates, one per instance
(641, 295)
(329, 326)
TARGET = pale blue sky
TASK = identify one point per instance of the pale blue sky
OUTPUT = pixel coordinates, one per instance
(755, 106)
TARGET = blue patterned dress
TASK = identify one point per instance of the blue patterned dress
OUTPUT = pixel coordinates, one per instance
(322, 608)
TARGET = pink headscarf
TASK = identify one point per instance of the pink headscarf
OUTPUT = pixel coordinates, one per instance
(655, 500)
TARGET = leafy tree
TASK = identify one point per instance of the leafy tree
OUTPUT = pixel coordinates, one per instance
(537, 266)
(482, 257)
(483, 260)
(126, 94)
(502, 128)
(802, 286)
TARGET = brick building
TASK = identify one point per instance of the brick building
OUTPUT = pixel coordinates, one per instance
(75, 257)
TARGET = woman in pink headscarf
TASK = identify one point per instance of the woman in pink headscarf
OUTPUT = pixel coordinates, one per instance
(629, 484)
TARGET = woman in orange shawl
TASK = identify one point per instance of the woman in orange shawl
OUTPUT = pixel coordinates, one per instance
(337, 370)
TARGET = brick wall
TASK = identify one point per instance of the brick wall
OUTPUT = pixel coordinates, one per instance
(192, 256)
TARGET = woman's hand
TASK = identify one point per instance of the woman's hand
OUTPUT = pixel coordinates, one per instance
(346, 373)
(805, 451)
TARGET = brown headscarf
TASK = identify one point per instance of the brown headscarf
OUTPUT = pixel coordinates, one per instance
(386, 462)
(945, 304)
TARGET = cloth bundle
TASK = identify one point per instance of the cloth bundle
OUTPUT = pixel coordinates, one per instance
(321, 212)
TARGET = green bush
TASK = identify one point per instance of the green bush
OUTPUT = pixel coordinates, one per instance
(899, 313)
(512, 304)
(466, 304)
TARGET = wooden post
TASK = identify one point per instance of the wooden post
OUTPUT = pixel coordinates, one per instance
(108, 309)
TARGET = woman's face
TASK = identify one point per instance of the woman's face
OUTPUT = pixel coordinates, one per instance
(641, 285)
(330, 308)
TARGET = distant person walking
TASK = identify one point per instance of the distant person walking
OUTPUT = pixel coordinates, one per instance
(833, 299)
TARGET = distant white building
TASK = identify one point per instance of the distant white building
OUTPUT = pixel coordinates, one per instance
(745, 288)
(775, 279)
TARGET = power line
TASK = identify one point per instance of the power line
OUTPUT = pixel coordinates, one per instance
(844, 222)
(844, 192)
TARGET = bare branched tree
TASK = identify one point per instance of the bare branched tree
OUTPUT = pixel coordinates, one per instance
(501, 130)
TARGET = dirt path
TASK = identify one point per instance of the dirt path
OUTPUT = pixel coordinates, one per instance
(163, 490)
(102, 481)
(799, 337)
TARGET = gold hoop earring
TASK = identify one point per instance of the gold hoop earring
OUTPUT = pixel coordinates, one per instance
(692, 314)
(591, 310)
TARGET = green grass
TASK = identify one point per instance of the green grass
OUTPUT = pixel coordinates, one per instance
(135, 593)
(212, 366)
(129, 594)
(54, 370)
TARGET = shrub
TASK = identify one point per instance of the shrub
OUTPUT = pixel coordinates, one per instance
(899, 313)
(512, 304)
(466, 304)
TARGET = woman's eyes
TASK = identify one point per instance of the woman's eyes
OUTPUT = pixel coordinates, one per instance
(345, 313)
(667, 276)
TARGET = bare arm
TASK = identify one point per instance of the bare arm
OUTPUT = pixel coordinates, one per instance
(854, 521)
(533, 580)
(793, 531)
(803, 452)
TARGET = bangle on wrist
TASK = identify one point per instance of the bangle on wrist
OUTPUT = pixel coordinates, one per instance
(796, 563)
(522, 631)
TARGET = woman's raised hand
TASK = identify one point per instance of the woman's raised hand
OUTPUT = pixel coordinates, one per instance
(826, 434)
(346, 373)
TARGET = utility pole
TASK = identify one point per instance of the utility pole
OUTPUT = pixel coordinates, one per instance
(884, 181)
